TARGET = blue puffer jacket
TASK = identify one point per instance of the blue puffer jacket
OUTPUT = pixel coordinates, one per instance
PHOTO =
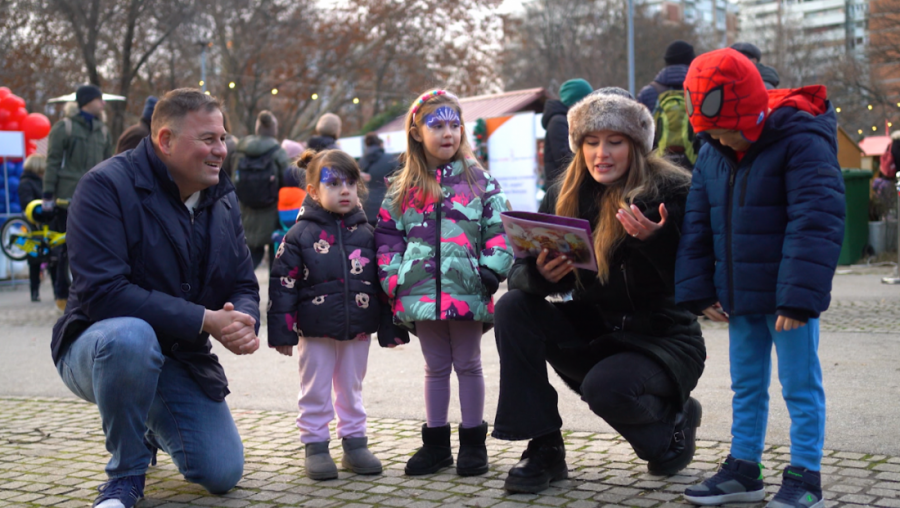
(763, 235)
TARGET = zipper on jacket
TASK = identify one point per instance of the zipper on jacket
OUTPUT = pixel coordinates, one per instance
(624, 269)
(729, 262)
(340, 236)
(744, 187)
(437, 256)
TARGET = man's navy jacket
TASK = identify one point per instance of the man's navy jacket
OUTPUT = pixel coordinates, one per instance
(135, 251)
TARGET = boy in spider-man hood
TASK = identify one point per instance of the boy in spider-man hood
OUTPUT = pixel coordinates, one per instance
(762, 231)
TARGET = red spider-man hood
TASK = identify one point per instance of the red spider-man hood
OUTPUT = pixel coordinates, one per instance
(725, 91)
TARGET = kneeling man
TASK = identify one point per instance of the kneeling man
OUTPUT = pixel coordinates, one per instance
(159, 264)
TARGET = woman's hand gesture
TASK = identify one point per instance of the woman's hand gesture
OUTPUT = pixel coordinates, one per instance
(555, 269)
(638, 225)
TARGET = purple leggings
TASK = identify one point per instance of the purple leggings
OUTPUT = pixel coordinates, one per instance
(456, 345)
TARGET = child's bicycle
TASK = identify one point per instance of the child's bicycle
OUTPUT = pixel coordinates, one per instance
(29, 234)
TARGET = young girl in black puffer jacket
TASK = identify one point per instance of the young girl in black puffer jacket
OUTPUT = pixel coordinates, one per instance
(323, 298)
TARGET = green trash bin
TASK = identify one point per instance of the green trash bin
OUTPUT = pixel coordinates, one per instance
(856, 223)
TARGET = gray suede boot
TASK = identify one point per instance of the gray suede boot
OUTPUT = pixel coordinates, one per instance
(358, 458)
(319, 464)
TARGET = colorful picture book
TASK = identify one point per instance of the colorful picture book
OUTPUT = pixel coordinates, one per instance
(531, 232)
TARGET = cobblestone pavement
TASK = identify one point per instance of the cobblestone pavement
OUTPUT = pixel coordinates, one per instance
(52, 454)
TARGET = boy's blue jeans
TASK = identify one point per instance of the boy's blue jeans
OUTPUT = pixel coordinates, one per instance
(118, 365)
(751, 339)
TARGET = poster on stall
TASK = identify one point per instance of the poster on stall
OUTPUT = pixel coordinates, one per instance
(512, 158)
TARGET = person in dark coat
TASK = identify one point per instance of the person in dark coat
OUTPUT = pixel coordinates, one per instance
(556, 140)
(769, 74)
(31, 189)
(678, 57)
(761, 238)
(621, 342)
(134, 134)
(159, 266)
(377, 165)
(261, 222)
(328, 130)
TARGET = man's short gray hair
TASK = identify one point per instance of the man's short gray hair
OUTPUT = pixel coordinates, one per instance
(176, 104)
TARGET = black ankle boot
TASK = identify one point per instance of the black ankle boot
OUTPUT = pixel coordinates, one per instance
(473, 458)
(684, 441)
(434, 454)
(35, 295)
(544, 461)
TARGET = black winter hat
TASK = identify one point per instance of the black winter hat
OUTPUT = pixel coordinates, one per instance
(679, 52)
(747, 49)
(87, 93)
(149, 105)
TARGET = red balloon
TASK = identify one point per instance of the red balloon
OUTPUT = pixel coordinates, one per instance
(11, 125)
(4, 92)
(4, 116)
(12, 103)
(19, 114)
(36, 126)
(32, 143)
(29, 150)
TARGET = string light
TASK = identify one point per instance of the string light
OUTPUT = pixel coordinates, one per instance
(274, 91)
(315, 96)
(231, 85)
(356, 100)
(874, 128)
(837, 109)
(859, 131)
(206, 92)
(201, 82)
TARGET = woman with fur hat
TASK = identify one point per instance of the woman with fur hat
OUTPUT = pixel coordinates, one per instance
(620, 342)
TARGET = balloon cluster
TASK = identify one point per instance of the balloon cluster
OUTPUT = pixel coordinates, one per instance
(14, 117)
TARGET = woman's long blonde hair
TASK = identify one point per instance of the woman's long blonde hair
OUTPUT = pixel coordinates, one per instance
(647, 174)
(415, 173)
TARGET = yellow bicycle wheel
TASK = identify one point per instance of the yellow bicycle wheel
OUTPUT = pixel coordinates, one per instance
(15, 238)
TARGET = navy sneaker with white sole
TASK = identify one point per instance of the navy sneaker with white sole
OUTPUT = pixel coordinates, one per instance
(120, 492)
(800, 488)
(738, 481)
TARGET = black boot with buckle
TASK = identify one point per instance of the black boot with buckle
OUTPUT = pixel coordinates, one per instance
(684, 441)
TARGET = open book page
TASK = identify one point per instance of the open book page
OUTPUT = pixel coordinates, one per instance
(531, 232)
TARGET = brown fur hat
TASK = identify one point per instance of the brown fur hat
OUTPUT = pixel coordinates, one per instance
(608, 109)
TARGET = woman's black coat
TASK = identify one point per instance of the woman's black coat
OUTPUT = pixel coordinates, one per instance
(635, 309)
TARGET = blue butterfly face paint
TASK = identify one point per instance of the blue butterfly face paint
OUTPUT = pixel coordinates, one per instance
(441, 116)
(332, 178)
(337, 193)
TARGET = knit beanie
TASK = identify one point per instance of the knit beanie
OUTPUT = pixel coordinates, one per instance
(573, 91)
(329, 124)
(679, 52)
(747, 49)
(611, 109)
(86, 93)
(725, 91)
(149, 104)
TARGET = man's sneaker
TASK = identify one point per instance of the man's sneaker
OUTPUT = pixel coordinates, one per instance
(738, 481)
(800, 488)
(120, 492)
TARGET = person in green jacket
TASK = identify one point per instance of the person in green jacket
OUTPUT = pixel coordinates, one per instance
(259, 164)
(77, 143)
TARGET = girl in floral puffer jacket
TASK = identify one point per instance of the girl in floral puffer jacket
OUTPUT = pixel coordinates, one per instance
(323, 299)
(442, 253)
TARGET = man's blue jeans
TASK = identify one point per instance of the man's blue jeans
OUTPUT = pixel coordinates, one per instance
(118, 365)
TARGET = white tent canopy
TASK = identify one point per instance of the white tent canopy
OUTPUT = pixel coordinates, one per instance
(71, 98)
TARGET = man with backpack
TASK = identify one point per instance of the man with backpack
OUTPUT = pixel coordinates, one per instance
(664, 97)
(77, 143)
(259, 166)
